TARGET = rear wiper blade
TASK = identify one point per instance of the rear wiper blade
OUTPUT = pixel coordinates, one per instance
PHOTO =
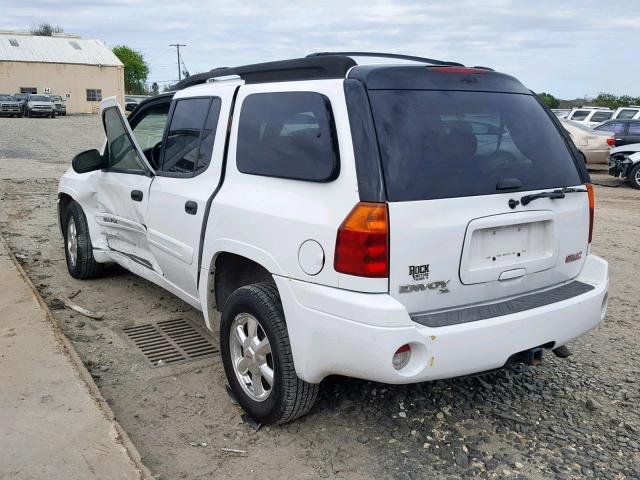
(555, 194)
(527, 199)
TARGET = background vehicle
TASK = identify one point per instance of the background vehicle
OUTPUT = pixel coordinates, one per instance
(592, 145)
(561, 112)
(624, 132)
(9, 106)
(266, 195)
(632, 112)
(590, 116)
(624, 162)
(59, 105)
(39, 106)
(22, 100)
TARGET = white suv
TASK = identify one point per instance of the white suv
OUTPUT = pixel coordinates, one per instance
(590, 116)
(397, 223)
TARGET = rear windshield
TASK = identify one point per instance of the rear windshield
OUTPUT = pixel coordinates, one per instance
(443, 144)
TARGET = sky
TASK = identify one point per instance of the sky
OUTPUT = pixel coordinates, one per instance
(569, 48)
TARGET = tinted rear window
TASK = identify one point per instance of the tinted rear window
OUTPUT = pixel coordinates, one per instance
(443, 144)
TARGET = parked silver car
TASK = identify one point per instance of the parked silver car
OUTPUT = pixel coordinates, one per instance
(9, 106)
(39, 105)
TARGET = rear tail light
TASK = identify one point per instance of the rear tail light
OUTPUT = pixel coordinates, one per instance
(611, 142)
(362, 244)
(401, 357)
(592, 205)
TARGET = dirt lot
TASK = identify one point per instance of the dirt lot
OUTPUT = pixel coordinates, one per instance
(571, 418)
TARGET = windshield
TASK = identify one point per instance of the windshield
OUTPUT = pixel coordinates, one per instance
(443, 144)
(39, 98)
(7, 98)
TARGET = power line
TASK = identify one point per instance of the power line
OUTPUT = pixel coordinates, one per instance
(178, 45)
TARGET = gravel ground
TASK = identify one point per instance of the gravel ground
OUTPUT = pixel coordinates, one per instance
(566, 419)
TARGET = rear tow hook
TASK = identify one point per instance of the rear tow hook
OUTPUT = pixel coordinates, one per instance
(533, 357)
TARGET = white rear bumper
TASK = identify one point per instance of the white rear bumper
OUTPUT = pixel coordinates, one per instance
(334, 331)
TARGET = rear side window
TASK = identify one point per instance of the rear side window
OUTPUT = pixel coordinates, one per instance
(183, 138)
(601, 116)
(580, 115)
(444, 144)
(287, 135)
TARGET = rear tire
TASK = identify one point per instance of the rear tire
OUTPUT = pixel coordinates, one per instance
(77, 244)
(634, 176)
(257, 307)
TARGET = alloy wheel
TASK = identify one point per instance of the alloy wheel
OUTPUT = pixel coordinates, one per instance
(251, 357)
(72, 242)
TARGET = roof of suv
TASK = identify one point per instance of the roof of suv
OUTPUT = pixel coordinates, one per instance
(447, 75)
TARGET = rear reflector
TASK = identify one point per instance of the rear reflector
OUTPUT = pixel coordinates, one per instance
(401, 357)
(592, 205)
(611, 141)
(362, 244)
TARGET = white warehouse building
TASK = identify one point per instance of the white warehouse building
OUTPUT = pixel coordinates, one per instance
(82, 71)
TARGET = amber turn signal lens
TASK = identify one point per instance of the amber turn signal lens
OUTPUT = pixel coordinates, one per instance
(362, 243)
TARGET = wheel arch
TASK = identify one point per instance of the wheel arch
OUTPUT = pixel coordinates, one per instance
(228, 271)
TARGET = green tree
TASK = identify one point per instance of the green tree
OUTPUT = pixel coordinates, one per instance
(549, 100)
(614, 101)
(136, 69)
(155, 89)
(45, 30)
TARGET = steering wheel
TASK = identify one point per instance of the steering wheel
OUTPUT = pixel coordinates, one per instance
(155, 155)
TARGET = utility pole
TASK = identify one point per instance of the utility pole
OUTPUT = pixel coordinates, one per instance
(178, 45)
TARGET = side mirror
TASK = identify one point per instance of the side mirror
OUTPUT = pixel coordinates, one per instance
(88, 161)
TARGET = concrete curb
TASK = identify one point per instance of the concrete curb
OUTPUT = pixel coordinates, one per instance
(123, 438)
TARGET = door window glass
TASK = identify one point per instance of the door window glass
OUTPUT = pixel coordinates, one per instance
(627, 114)
(208, 136)
(580, 115)
(183, 139)
(150, 128)
(616, 127)
(121, 151)
(634, 129)
(601, 116)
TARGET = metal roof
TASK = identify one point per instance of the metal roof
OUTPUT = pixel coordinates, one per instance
(18, 47)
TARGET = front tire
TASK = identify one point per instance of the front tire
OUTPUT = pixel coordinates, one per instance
(634, 176)
(257, 357)
(77, 244)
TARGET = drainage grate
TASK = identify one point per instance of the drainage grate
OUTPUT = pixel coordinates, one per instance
(170, 341)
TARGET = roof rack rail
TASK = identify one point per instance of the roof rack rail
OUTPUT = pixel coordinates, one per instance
(335, 66)
(387, 55)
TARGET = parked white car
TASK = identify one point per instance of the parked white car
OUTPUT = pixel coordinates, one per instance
(590, 116)
(396, 223)
(624, 162)
(632, 112)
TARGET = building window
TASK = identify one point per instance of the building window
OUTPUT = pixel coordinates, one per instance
(94, 95)
(33, 90)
